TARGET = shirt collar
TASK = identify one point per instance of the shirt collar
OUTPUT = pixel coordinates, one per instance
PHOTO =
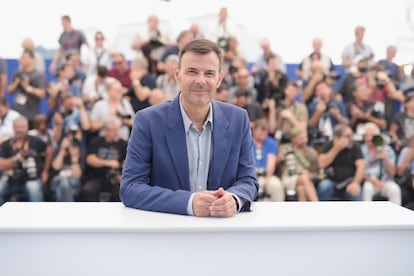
(188, 122)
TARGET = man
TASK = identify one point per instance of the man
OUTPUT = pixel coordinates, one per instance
(344, 166)
(192, 155)
(28, 86)
(325, 112)
(104, 158)
(356, 49)
(380, 170)
(405, 172)
(69, 39)
(7, 117)
(299, 166)
(23, 158)
(265, 153)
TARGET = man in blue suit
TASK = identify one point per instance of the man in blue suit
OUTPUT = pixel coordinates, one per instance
(191, 155)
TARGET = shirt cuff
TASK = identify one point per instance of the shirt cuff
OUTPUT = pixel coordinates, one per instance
(190, 205)
(240, 202)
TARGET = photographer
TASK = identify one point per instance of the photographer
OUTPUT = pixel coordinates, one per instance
(344, 167)
(270, 82)
(104, 164)
(289, 114)
(299, 167)
(68, 166)
(265, 152)
(384, 92)
(72, 112)
(401, 128)
(29, 87)
(405, 172)
(325, 113)
(362, 110)
(380, 170)
(114, 107)
(60, 85)
(22, 161)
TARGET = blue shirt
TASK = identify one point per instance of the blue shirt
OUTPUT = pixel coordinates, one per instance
(269, 147)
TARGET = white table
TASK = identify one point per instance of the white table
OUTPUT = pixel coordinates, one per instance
(289, 238)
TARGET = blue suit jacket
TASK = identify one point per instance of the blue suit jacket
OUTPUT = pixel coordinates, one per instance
(156, 174)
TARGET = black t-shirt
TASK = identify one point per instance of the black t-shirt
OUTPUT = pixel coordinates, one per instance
(366, 106)
(106, 151)
(36, 148)
(343, 165)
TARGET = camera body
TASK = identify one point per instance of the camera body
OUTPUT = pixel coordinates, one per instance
(113, 176)
(123, 115)
(223, 43)
(381, 140)
(380, 84)
(25, 170)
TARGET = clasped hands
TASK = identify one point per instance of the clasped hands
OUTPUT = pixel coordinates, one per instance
(218, 203)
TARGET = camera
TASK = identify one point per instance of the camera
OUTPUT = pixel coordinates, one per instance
(290, 161)
(29, 165)
(114, 176)
(18, 175)
(261, 172)
(75, 141)
(381, 140)
(123, 115)
(223, 43)
(329, 105)
(380, 84)
(333, 75)
(20, 75)
(25, 170)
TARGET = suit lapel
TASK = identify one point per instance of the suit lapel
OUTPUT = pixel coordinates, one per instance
(221, 147)
(177, 144)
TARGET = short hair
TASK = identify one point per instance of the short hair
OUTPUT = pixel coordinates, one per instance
(371, 125)
(21, 119)
(112, 122)
(102, 71)
(262, 123)
(223, 86)
(339, 129)
(182, 34)
(66, 17)
(40, 119)
(202, 46)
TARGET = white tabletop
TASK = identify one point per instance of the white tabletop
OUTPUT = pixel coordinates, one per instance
(274, 216)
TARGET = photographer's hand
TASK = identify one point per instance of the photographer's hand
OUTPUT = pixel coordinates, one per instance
(320, 107)
(353, 188)
(114, 164)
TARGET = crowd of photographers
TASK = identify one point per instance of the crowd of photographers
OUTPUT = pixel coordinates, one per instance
(323, 136)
